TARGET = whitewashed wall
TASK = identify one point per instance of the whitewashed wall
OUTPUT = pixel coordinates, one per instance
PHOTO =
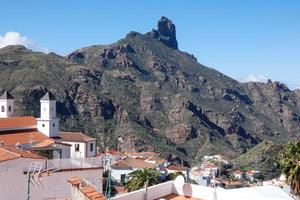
(82, 149)
(93, 152)
(154, 192)
(65, 151)
(116, 173)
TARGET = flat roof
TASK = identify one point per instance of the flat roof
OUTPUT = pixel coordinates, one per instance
(176, 197)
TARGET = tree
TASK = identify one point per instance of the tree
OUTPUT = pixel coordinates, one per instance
(290, 166)
(138, 179)
(173, 175)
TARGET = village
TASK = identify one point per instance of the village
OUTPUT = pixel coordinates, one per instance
(37, 161)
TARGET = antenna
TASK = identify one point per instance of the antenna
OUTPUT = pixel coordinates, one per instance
(34, 176)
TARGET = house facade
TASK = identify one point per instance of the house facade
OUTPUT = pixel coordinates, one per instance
(41, 134)
(81, 145)
(127, 165)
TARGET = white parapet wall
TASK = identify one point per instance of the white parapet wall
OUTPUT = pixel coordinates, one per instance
(207, 193)
(153, 192)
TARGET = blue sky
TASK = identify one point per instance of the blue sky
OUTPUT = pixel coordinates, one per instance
(246, 40)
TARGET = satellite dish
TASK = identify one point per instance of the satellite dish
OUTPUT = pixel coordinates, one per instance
(179, 182)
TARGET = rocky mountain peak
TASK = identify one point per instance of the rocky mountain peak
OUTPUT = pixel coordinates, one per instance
(9, 48)
(166, 27)
(166, 32)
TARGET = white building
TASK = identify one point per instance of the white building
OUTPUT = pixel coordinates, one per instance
(42, 134)
(177, 168)
(178, 189)
(6, 105)
(128, 165)
(48, 123)
(81, 145)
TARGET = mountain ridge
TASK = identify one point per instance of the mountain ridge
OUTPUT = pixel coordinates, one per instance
(155, 97)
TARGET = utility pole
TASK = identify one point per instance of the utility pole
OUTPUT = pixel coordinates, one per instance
(109, 185)
(28, 186)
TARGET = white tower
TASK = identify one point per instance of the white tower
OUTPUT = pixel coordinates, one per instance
(6, 105)
(48, 123)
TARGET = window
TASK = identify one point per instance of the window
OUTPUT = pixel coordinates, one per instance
(9, 108)
(92, 147)
(2, 109)
(53, 124)
(43, 125)
(76, 147)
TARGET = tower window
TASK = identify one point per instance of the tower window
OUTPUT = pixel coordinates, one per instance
(53, 124)
(9, 108)
(92, 147)
(76, 147)
(43, 125)
(2, 109)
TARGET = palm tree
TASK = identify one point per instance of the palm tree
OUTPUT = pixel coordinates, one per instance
(290, 166)
(138, 179)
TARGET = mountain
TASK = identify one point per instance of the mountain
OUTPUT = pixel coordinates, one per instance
(143, 93)
(263, 157)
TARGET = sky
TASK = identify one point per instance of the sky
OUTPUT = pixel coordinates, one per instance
(247, 40)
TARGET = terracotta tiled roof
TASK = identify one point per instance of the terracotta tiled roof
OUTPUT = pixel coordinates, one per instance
(208, 165)
(158, 160)
(75, 180)
(49, 142)
(44, 143)
(132, 163)
(88, 190)
(22, 137)
(9, 153)
(17, 122)
(177, 168)
(74, 137)
(251, 172)
(114, 152)
(146, 154)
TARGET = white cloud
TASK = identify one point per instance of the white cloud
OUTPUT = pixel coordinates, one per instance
(254, 78)
(15, 38)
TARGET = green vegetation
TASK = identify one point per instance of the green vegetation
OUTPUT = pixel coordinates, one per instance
(290, 166)
(141, 178)
(263, 157)
(153, 96)
(173, 175)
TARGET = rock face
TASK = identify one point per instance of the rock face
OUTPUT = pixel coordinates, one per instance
(166, 32)
(144, 90)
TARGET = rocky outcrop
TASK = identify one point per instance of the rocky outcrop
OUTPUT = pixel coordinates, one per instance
(166, 32)
(181, 133)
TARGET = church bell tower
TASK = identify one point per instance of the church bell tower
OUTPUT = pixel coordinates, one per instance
(6, 105)
(48, 122)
